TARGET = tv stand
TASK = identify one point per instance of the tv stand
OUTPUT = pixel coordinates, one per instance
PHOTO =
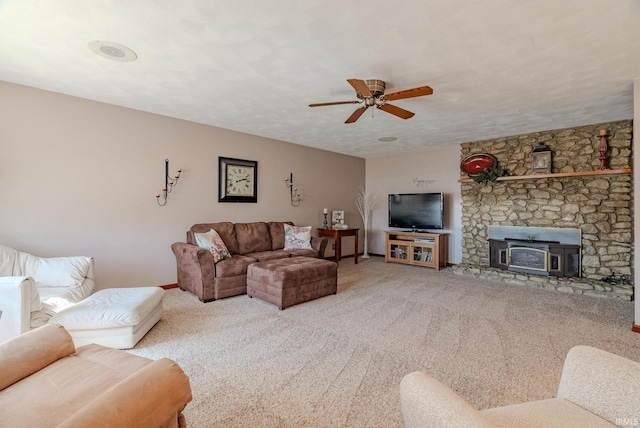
(416, 248)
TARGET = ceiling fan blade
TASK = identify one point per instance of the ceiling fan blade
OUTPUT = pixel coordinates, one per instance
(335, 103)
(356, 114)
(396, 111)
(409, 93)
(361, 87)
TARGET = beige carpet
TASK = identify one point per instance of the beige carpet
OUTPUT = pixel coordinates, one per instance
(338, 361)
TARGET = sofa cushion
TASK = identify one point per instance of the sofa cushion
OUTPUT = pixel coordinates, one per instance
(233, 266)
(225, 229)
(214, 243)
(276, 230)
(57, 271)
(56, 299)
(302, 253)
(253, 237)
(269, 255)
(297, 238)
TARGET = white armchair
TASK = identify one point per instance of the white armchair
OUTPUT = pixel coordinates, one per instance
(33, 289)
(597, 389)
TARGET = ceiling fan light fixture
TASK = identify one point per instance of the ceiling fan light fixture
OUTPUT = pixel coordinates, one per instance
(376, 87)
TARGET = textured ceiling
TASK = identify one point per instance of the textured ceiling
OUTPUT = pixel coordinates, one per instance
(497, 67)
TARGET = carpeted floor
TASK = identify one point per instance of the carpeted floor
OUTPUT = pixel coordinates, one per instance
(337, 361)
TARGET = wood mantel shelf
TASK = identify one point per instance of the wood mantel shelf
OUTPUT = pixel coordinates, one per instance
(557, 175)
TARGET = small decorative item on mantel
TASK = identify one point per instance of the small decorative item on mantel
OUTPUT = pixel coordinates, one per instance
(603, 148)
(541, 159)
(478, 163)
(490, 174)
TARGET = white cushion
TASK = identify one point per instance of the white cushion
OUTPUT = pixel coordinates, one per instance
(58, 271)
(8, 262)
(55, 299)
(109, 308)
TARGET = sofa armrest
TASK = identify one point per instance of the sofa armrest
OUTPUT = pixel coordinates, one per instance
(196, 269)
(28, 353)
(427, 402)
(16, 294)
(150, 397)
(603, 383)
(319, 244)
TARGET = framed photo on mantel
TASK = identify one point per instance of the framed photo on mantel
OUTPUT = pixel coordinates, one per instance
(237, 180)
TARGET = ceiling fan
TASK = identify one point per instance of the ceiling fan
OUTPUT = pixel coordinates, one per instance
(371, 93)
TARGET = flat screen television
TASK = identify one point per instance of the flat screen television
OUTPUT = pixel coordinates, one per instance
(416, 211)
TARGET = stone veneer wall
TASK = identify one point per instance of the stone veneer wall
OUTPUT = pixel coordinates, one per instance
(601, 205)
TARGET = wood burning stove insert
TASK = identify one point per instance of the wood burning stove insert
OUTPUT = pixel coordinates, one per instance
(535, 257)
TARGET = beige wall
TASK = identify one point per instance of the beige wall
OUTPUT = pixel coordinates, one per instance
(79, 177)
(439, 168)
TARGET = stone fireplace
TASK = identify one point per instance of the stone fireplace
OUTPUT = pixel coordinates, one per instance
(596, 207)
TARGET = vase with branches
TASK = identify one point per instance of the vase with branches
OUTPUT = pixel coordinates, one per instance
(366, 202)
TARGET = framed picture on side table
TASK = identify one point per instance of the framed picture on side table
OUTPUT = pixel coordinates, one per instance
(237, 180)
(337, 217)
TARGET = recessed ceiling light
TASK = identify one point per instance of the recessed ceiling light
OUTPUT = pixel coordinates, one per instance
(387, 139)
(112, 50)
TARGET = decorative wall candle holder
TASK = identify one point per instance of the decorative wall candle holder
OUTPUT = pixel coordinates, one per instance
(603, 148)
(168, 184)
(295, 195)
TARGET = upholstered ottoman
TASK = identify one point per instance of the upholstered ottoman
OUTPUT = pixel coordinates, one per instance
(113, 317)
(290, 281)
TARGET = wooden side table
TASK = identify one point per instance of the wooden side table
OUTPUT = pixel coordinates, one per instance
(337, 235)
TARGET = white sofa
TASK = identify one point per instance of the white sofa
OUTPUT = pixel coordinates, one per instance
(597, 389)
(36, 290)
(33, 289)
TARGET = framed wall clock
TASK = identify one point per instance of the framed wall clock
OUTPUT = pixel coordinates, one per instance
(237, 180)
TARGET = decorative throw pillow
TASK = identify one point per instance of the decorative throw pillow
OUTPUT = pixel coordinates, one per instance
(297, 238)
(214, 243)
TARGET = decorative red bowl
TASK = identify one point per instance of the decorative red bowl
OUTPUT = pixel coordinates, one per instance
(477, 163)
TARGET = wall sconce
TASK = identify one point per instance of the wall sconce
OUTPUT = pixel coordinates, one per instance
(168, 183)
(603, 149)
(295, 195)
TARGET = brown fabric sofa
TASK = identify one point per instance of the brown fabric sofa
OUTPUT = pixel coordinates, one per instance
(46, 382)
(247, 242)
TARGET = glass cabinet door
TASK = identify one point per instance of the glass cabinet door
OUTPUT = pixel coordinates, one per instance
(423, 254)
(399, 252)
